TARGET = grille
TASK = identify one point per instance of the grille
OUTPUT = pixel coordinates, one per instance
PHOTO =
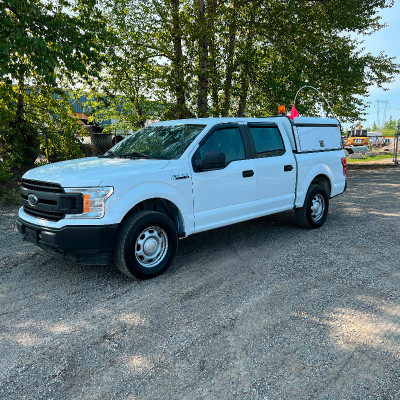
(51, 216)
(48, 193)
(42, 186)
(42, 201)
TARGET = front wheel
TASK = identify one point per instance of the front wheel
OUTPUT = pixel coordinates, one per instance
(315, 210)
(146, 244)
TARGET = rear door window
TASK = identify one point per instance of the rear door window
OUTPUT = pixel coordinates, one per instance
(268, 141)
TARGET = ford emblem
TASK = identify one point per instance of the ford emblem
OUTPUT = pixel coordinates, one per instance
(33, 200)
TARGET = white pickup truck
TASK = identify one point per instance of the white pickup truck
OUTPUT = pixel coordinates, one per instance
(172, 179)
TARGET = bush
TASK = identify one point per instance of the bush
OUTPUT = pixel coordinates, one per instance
(60, 146)
(9, 195)
(5, 174)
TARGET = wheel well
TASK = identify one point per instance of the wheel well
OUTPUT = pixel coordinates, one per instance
(323, 180)
(163, 206)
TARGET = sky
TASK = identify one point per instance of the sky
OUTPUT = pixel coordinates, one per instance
(388, 41)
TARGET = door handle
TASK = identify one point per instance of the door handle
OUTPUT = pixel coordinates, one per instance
(288, 167)
(248, 173)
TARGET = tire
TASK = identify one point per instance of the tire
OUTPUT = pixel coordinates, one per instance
(315, 210)
(146, 244)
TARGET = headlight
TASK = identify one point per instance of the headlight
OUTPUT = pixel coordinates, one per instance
(94, 199)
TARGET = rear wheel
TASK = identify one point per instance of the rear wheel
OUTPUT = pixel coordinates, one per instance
(314, 212)
(146, 244)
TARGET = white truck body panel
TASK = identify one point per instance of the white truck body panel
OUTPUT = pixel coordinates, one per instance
(93, 171)
(223, 195)
(310, 165)
(315, 134)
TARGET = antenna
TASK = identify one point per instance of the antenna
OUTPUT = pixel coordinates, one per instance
(312, 87)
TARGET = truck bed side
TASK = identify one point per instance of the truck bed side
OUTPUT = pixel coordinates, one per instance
(317, 166)
(317, 147)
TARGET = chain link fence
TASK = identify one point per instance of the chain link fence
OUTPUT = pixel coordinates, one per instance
(90, 145)
(97, 144)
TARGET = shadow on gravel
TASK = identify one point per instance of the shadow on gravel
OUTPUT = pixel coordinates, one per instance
(259, 310)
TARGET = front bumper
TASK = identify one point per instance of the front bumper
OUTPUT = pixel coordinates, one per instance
(90, 244)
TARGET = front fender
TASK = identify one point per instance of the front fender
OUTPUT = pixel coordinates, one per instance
(180, 195)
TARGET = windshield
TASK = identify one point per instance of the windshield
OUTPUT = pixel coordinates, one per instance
(165, 142)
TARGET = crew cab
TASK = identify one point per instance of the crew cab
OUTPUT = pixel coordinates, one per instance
(172, 179)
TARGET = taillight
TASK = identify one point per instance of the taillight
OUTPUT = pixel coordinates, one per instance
(344, 165)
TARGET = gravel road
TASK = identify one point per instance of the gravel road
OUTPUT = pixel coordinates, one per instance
(259, 310)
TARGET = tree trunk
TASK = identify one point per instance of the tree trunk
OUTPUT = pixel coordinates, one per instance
(214, 78)
(19, 115)
(177, 62)
(202, 101)
(229, 62)
(247, 68)
(25, 139)
(243, 97)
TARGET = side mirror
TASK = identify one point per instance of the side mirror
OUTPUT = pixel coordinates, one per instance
(212, 160)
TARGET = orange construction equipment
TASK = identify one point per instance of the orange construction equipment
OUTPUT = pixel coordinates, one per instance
(357, 137)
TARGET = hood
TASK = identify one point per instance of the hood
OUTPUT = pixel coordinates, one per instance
(92, 171)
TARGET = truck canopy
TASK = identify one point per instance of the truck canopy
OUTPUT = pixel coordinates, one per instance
(316, 134)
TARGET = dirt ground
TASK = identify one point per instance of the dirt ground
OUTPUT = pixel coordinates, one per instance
(259, 310)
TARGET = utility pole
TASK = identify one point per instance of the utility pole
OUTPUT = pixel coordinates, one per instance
(381, 105)
(396, 145)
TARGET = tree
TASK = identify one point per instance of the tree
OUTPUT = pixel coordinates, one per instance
(390, 127)
(237, 57)
(46, 119)
(44, 46)
(299, 43)
(148, 59)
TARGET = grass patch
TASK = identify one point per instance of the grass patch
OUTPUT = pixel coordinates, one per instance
(372, 158)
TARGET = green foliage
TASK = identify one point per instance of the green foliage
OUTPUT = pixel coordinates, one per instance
(132, 89)
(144, 60)
(238, 57)
(5, 174)
(58, 146)
(49, 40)
(47, 123)
(45, 45)
(390, 127)
(58, 129)
(9, 196)
(302, 43)
(15, 148)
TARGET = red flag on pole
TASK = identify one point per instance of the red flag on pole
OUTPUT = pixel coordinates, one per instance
(293, 113)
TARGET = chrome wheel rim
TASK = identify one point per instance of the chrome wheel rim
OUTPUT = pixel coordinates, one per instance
(151, 246)
(317, 207)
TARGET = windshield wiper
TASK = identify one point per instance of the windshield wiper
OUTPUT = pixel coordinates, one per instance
(134, 154)
(109, 153)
